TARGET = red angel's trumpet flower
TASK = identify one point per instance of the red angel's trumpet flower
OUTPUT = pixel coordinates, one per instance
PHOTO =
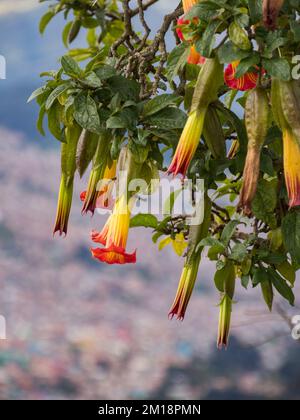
(246, 82)
(188, 143)
(291, 153)
(206, 91)
(117, 235)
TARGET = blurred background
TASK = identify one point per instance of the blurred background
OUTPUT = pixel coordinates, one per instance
(78, 329)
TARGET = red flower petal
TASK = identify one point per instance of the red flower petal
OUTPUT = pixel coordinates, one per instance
(113, 255)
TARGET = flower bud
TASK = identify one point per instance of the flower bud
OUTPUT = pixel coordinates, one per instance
(191, 266)
(228, 288)
(97, 173)
(286, 111)
(68, 168)
(256, 119)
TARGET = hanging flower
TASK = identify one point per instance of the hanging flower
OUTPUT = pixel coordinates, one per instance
(116, 235)
(246, 82)
(105, 187)
(185, 289)
(63, 206)
(188, 143)
(291, 154)
(224, 321)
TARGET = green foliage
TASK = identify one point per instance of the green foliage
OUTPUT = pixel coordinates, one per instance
(143, 100)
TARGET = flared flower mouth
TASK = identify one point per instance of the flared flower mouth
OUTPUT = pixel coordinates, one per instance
(114, 236)
(188, 143)
(246, 82)
(292, 167)
(185, 290)
(114, 255)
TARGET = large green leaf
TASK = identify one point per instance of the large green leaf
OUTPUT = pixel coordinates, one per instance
(291, 234)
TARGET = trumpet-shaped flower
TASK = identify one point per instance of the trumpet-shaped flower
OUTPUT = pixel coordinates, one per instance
(116, 235)
(188, 143)
(64, 205)
(185, 289)
(292, 167)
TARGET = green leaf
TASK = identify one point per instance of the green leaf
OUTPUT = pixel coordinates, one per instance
(55, 94)
(168, 118)
(281, 286)
(229, 231)
(65, 33)
(105, 72)
(255, 7)
(267, 292)
(291, 234)
(239, 36)
(144, 220)
(287, 271)
(38, 92)
(70, 66)
(86, 149)
(177, 60)
(239, 253)
(246, 64)
(205, 45)
(128, 89)
(54, 126)
(45, 21)
(158, 103)
(86, 113)
(265, 201)
(278, 68)
(40, 120)
(214, 243)
(229, 52)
